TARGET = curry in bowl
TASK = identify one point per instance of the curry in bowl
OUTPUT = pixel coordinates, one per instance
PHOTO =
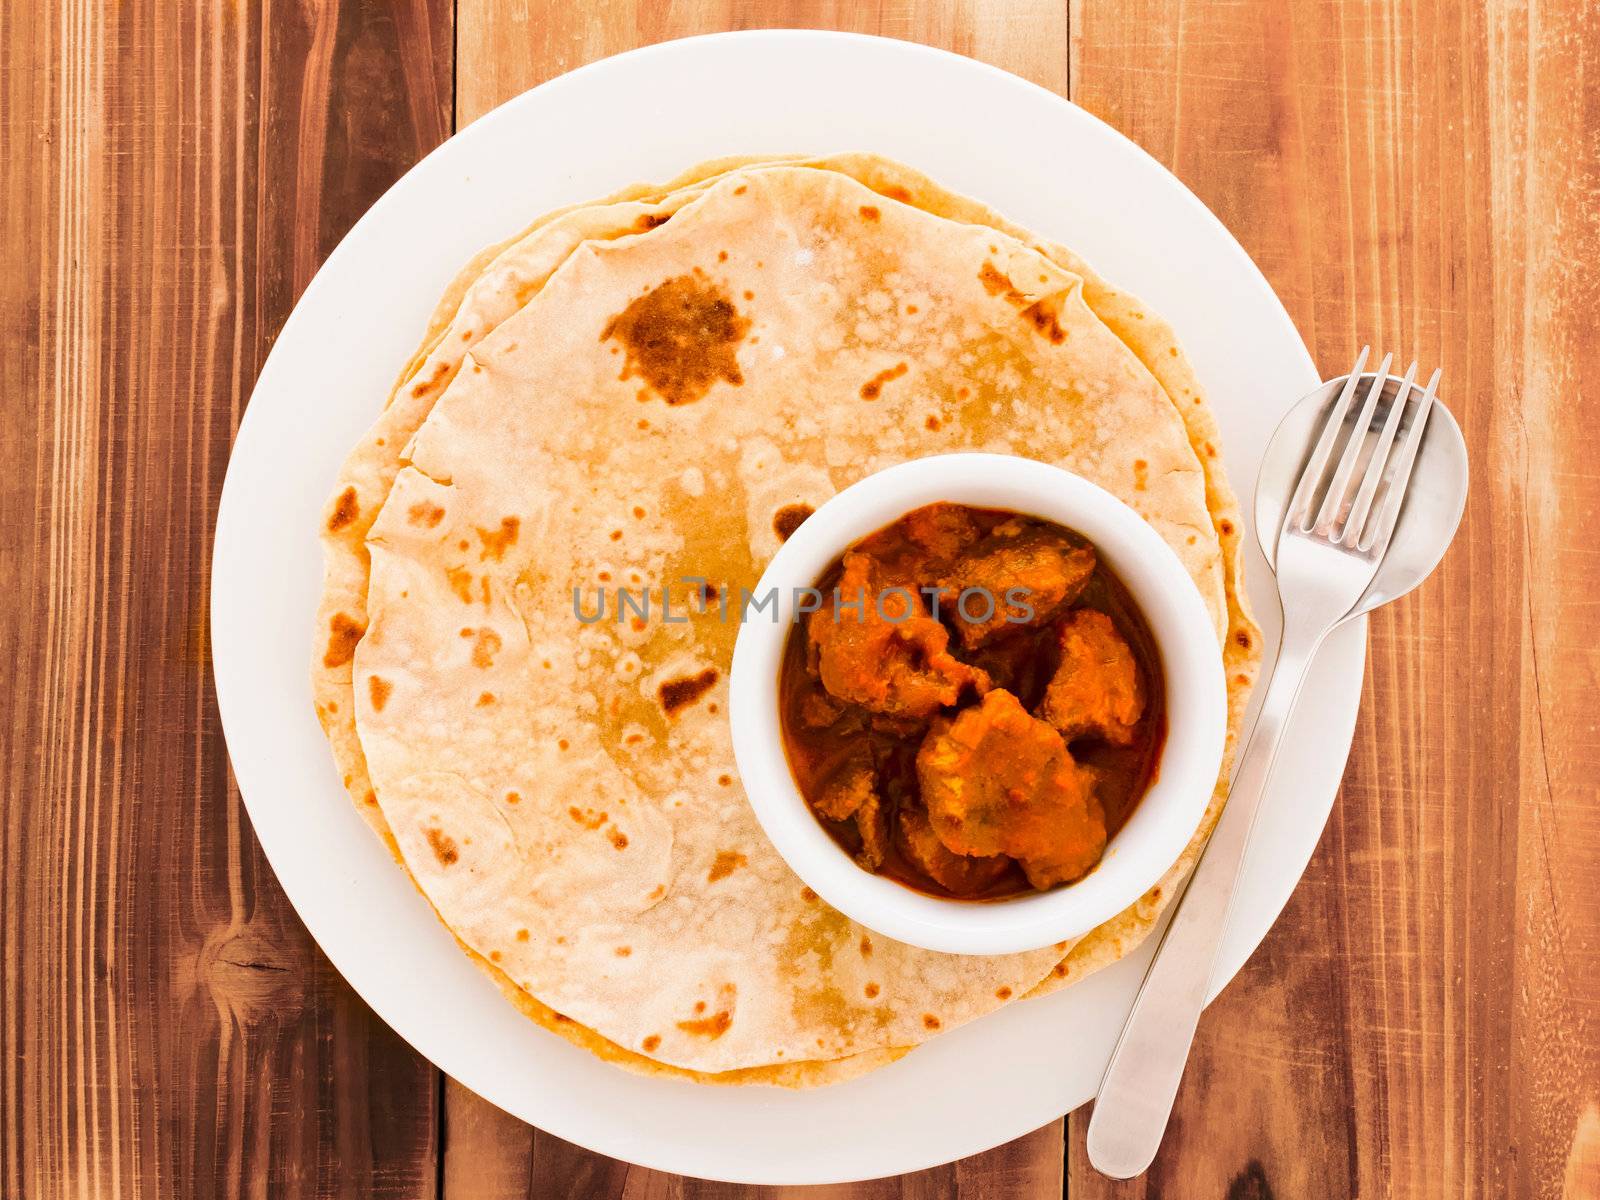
(973, 704)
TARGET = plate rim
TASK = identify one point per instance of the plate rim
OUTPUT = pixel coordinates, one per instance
(232, 502)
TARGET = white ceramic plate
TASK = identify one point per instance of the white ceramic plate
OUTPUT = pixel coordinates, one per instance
(646, 115)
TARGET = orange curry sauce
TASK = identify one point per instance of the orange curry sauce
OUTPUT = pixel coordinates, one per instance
(963, 756)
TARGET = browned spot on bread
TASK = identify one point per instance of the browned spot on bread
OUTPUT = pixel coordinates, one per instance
(997, 283)
(494, 956)
(740, 190)
(725, 780)
(485, 648)
(933, 422)
(513, 797)
(789, 518)
(873, 388)
(1141, 474)
(1002, 993)
(378, 690)
(680, 338)
(652, 220)
(587, 817)
(460, 580)
(495, 541)
(872, 990)
(1243, 638)
(443, 846)
(1042, 314)
(1225, 526)
(562, 743)
(722, 256)
(371, 797)
(870, 212)
(343, 634)
(485, 699)
(678, 693)
(895, 192)
(345, 510)
(658, 891)
(1059, 970)
(651, 1042)
(726, 862)
(929, 1021)
(711, 1027)
(623, 951)
(866, 946)
(699, 1006)
(807, 895)
(618, 839)
(423, 387)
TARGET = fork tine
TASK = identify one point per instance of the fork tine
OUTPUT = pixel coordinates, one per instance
(1380, 459)
(1380, 530)
(1300, 506)
(1334, 500)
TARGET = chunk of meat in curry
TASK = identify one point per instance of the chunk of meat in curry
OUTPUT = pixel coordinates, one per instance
(851, 794)
(1097, 690)
(901, 667)
(941, 531)
(996, 780)
(957, 873)
(1040, 566)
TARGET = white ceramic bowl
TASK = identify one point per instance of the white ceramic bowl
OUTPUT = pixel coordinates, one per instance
(1191, 662)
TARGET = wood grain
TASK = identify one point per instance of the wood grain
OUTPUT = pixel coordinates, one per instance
(1422, 1020)
(1425, 1018)
(170, 177)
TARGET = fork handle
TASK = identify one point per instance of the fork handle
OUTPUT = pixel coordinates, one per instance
(1141, 1080)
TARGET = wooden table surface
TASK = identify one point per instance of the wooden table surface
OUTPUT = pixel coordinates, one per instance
(1424, 1020)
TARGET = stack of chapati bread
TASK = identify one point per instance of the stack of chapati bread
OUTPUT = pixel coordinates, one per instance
(642, 392)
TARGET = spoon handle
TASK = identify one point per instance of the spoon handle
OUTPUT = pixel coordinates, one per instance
(1141, 1080)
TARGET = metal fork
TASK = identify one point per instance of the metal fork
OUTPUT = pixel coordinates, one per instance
(1335, 533)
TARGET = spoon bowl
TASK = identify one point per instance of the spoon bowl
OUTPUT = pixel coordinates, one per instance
(1434, 502)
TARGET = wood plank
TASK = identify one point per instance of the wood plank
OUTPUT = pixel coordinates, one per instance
(170, 175)
(1421, 1020)
(1029, 1167)
(505, 47)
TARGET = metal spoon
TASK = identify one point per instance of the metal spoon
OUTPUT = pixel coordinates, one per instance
(1360, 493)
